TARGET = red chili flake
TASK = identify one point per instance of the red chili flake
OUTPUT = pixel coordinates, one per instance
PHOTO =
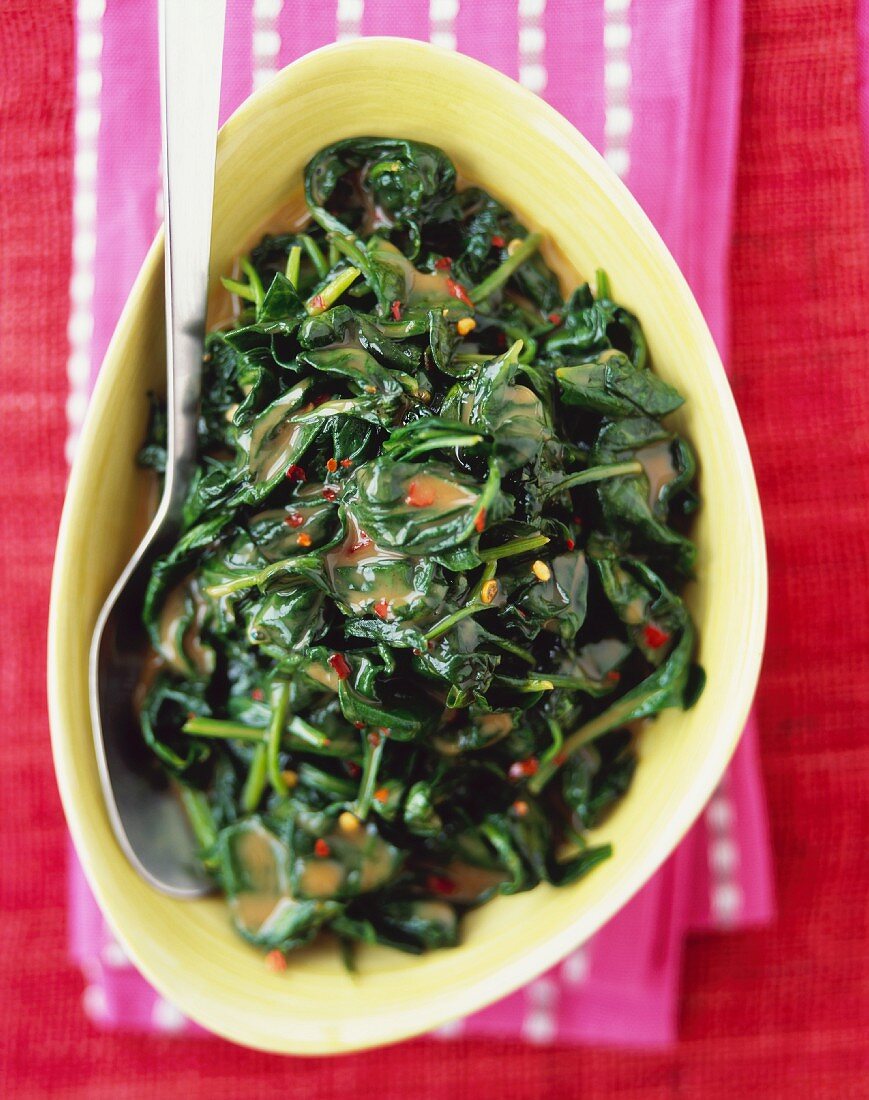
(559, 759)
(318, 302)
(396, 310)
(458, 291)
(294, 520)
(381, 795)
(346, 462)
(257, 695)
(275, 961)
(521, 769)
(444, 263)
(577, 521)
(613, 676)
(304, 539)
(655, 637)
(321, 848)
(381, 609)
(331, 465)
(329, 493)
(501, 340)
(359, 544)
(339, 665)
(520, 807)
(498, 241)
(321, 400)
(570, 544)
(440, 884)
(417, 497)
(480, 521)
(297, 473)
(555, 318)
(352, 769)
(359, 725)
(374, 739)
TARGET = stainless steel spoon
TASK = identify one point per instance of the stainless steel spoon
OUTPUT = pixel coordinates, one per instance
(148, 820)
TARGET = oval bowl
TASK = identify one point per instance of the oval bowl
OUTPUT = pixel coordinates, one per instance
(532, 159)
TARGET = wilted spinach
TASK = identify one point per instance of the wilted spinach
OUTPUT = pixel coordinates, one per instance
(430, 570)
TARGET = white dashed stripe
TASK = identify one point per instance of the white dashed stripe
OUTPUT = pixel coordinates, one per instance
(265, 41)
(80, 327)
(541, 1021)
(166, 1017)
(574, 969)
(348, 19)
(532, 45)
(618, 117)
(450, 1030)
(442, 23)
(726, 897)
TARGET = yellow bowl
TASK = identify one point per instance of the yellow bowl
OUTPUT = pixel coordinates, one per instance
(509, 141)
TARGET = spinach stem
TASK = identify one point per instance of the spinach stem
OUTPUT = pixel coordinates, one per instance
(603, 284)
(255, 282)
(200, 816)
(557, 741)
(316, 256)
(251, 580)
(256, 780)
(221, 728)
(323, 299)
(294, 263)
(447, 623)
(373, 753)
(501, 274)
(595, 473)
(308, 733)
(280, 699)
(509, 549)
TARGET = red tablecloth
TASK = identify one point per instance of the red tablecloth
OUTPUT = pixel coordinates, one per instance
(783, 1012)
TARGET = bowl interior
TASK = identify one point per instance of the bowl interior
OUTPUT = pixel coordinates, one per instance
(511, 143)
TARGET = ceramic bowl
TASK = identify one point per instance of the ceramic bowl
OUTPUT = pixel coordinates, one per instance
(509, 141)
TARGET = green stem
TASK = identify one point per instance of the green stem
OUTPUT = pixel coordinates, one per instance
(308, 733)
(251, 580)
(255, 282)
(509, 549)
(316, 256)
(323, 299)
(609, 719)
(256, 780)
(219, 727)
(557, 741)
(241, 290)
(373, 753)
(470, 608)
(595, 473)
(280, 700)
(444, 441)
(200, 816)
(501, 274)
(533, 683)
(603, 284)
(294, 264)
(315, 777)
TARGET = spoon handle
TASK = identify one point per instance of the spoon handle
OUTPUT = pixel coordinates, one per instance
(191, 54)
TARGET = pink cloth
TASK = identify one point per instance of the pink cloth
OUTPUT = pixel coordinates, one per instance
(655, 85)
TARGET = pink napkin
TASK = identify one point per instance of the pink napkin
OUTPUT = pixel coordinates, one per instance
(654, 84)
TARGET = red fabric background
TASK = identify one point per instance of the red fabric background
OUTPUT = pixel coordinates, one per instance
(782, 1012)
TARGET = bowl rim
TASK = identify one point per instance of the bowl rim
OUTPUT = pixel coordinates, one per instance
(523, 966)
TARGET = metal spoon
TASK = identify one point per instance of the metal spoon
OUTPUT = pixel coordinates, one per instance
(148, 820)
